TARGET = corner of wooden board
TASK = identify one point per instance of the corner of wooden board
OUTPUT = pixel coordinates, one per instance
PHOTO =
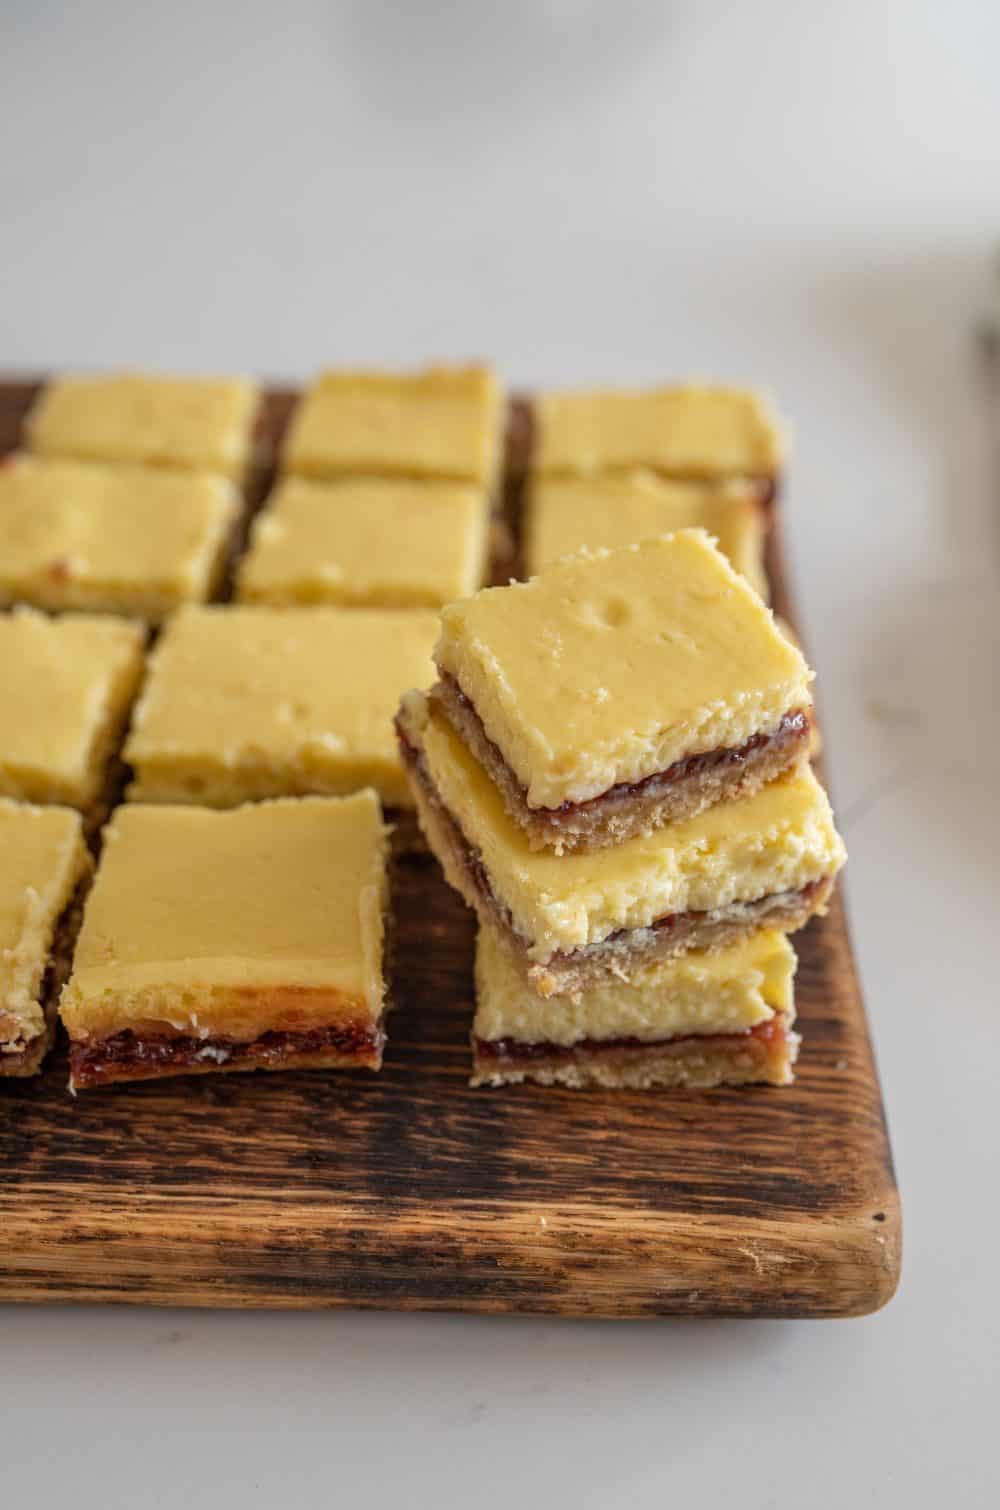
(878, 1250)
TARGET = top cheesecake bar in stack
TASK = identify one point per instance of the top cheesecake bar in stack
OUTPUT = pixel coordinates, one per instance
(613, 765)
(618, 691)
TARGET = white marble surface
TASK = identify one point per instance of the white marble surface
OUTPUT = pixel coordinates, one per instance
(802, 194)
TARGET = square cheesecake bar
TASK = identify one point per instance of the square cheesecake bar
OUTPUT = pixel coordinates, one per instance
(569, 514)
(45, 865)
(620, 690)
(699, 1020)
(66, 687)
(572, 920)
(130, 540)
(197, 424)
(441, 422)
(247, 703)
(367, 542)
(681, 431)
(243, 940)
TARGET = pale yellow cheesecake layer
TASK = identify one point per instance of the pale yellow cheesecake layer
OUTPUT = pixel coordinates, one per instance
(725, 991)
(367, 542)
(685, 431)
(233, 924)
(568, 514)
(117, 539)
(43, 859)
(197, 424)
(444, 422)
(248, 703)
(780, 839)
(66, 686)
(610, 666)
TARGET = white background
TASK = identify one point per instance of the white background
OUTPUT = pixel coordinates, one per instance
(802, 194)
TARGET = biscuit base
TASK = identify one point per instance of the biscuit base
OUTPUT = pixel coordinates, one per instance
(631, 810)
(619, 955)
(762, 1056)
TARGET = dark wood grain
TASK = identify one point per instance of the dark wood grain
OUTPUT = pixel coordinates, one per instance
(407, 1189)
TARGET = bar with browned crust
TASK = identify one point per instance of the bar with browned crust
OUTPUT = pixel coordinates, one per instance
(219, 941)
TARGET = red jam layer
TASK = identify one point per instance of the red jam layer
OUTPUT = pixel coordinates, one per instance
(126, 1056)
(791, 729)
(766, 1035)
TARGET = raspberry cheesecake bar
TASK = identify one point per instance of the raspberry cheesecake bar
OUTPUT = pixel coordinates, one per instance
(42, 877)
(242, 940)
(722, 1018)
(125, 539)
(248, 703)
(683, 431)
(367, 542)
(66, 687)
(196, 424)
(573, 920)
(441, 422)
(621, 690)
(567, 514)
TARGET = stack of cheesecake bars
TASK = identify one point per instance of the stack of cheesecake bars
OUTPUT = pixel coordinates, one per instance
(613, 771)
(198, 696)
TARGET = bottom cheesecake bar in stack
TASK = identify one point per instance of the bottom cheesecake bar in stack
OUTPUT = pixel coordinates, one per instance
(606, 774)
(701, 1019)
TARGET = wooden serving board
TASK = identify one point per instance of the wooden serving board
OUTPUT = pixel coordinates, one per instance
(407, 1189)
